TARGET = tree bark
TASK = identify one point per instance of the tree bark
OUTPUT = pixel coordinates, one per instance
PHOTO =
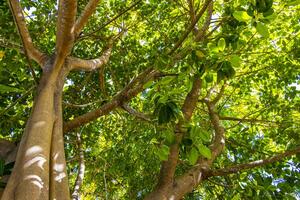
(40, 168)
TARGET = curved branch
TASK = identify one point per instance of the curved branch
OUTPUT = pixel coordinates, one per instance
(89, 65)
(250, 165)
(30, 49)
(84, 17)
(65, 30)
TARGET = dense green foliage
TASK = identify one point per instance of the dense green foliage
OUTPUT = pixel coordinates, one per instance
(254, 49)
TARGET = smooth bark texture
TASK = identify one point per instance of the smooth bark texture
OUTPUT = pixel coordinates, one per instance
(29, 48)
(40, 165)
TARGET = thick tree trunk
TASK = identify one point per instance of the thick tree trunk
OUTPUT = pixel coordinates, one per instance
(40, 168)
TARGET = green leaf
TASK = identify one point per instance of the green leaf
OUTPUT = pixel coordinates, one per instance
(241, 16)
(193, 156)
(163, 152)
(204, 151)
(262, 30)
(235, 61)
(205, 136)
(5, 88)
(221, 44)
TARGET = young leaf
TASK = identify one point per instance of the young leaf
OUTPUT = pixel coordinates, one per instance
(262, 30)
(221, 44)
(241, 16)
(193, 156)
(204, 151)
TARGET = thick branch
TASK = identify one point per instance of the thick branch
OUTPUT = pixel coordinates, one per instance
(89, 65)
(168, 167)
(30, 49)
(65, 30)
(84, 17)
(80, 175)
(250, 165)
(129, 92)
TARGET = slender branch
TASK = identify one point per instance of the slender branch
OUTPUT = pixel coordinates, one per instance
(112, 19)
(250, 165)
(89, 65)
(80, 105)
(65, 30)
(219, 95)
(84, 17)
(191, 27)
(81, 168)
(31, 51)
(251, 120)
(135, 113)
(200, 35)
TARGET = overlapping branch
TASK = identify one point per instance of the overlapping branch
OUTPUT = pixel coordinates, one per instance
(84, 17)
(250, 165)
(135, 113)
(30, 49)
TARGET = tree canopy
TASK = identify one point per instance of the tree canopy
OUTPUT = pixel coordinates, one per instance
(165, 99)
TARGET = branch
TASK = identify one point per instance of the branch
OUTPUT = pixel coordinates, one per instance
(200, 35)
(89, 65)
(245, 119)
(65, 30)
(250, 165)
(30, 49)
(84, 17)
(168, 167)
(129, 92)
(80, 175)
(113, 19)
(191, 27)
(135, 113)
(219, 95)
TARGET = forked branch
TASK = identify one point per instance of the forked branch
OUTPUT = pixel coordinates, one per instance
(30, 49)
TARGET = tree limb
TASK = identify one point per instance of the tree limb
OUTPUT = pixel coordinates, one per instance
(84, 17)
(30, 49)
(65, 30)
(129, 92)
(191, 27)
(89, 65)
(200, 35)
(251, 120)
(250, 165)
(168, 167)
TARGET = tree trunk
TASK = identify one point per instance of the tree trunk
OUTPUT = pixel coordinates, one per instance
(40, 168)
